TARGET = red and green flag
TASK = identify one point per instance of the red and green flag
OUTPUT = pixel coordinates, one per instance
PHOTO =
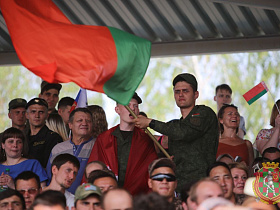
(97, 58)
(255, 93)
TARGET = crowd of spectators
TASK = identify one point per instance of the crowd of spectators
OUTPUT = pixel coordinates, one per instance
(57, 159)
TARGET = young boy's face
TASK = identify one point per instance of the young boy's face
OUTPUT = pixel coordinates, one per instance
(222, 97)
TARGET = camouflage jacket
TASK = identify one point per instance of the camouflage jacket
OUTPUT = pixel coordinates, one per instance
(193, 141)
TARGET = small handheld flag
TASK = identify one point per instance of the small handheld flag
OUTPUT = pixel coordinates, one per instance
(255, 93)
(81, 100)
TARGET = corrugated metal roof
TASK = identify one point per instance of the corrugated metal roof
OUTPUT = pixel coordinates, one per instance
(177, 27)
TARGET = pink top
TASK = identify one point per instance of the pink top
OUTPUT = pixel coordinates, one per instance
(264, 135)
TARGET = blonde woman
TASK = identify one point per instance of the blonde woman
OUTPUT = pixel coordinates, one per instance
(56, 124)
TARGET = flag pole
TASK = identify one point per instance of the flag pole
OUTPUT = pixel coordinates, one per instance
(149, 134)
(273, 100)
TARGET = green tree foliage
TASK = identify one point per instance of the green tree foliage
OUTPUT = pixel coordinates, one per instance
(241, 71)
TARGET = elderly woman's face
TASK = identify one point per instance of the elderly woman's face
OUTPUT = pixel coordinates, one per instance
(13, 147)
(239, 178)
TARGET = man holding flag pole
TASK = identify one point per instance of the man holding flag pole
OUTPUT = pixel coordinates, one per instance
(193, 139)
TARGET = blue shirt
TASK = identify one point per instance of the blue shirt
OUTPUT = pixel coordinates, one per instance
(26, 165)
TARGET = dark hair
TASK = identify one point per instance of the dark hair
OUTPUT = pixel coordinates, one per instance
(9, 193)
(224, 87)
(152, 201)
(270, 150)
(27, 175)
(13, 133)
(65, 101)
(161, 162)
(100, 123)
(143, 114)
(61, 159)
(216, 164)
(96, 174)
(183, 80)
(221, 115)
(85, 110)
(50, 198)
(274, 113)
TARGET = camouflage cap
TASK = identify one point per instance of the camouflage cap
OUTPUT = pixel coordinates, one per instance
(46, 86)
(189, 78)
(85, 190)
(161, 162)
(137, 98)
(38, 101)
(17, 102)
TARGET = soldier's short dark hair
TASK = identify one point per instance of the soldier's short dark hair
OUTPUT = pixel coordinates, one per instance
(270, 150)
(216, 164)
(65, 101)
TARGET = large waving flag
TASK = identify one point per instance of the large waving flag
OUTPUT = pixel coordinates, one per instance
(98, 58)
(255, 93)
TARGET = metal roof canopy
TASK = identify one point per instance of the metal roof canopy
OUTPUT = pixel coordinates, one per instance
(176, 27)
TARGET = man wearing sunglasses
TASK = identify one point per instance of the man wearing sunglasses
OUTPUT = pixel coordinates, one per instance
(28, 184)
(163, 180)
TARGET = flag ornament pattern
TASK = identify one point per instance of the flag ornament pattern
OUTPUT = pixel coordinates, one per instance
(266, 185)
(255, 93)
(98, 58)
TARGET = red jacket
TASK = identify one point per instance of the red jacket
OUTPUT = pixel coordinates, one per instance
(142, 153)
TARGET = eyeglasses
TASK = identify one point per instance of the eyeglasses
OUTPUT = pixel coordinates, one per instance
(160, 177)
(30, 191)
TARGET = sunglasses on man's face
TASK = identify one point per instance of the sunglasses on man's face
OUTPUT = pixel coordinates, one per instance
(30, 191)
(160, 177)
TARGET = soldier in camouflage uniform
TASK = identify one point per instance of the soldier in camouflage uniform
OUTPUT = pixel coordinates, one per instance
(193, 139)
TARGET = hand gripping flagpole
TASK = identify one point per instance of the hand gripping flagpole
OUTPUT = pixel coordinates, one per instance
(149, 134)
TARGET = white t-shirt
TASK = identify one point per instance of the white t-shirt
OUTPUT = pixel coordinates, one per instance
(70, 198)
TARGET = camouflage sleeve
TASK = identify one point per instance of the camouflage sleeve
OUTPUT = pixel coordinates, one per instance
(192, 127)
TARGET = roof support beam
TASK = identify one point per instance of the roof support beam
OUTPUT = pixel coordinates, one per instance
(198, 47)
(267, 4)
(215, 46)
